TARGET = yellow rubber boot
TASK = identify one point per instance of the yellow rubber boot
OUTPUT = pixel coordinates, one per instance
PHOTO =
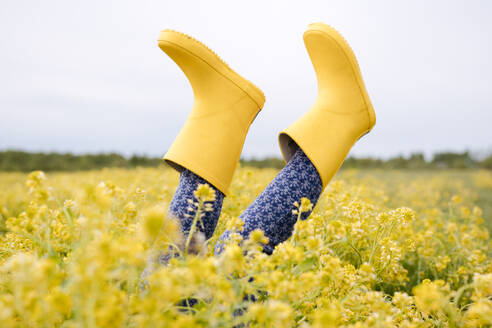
(225, 104)
(342, 112)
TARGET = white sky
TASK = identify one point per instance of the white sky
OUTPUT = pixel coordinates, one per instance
(88, 76)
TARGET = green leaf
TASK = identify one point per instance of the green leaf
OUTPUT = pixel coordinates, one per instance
(305, 265)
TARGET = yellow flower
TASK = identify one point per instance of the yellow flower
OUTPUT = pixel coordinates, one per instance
(479, 314)
(152, 220)
(258, 236)
(204, 192)
(483, 284)
(456, 199)
(442, 262)
(428, 297)
(72, 251)
(306, 205)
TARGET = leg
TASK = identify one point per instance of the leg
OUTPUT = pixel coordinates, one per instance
(272, 210)
(208, 146)
(181, 208)
(316, 144)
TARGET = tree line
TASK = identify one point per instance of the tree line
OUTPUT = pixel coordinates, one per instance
(14, 160)
(441, 160)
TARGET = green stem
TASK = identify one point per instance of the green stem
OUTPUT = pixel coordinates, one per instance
(460, 292)
(343, 240)
(356, 250)
(374, 245)
(193, 226)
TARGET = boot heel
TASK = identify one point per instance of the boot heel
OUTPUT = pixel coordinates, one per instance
(363, 135)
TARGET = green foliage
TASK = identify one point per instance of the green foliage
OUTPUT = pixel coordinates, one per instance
(454, 160)
(12, 160)
(487, 163)
(268, 162)
(444, 160)
(382, 248)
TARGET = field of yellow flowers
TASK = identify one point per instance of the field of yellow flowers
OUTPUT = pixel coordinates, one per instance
(381, 249)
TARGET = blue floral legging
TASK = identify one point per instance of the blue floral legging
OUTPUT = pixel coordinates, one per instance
(271, 211)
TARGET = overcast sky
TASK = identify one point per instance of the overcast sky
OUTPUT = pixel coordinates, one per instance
(88, 76)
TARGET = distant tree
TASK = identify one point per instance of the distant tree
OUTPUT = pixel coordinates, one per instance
(271, 162)
(14, 160)
(144, 161)
(367, 162)
(487, 163)
(398, 162)
(417, 161)
(453, 160)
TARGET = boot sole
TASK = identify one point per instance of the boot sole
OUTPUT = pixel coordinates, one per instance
(204, 53)
(340, 40)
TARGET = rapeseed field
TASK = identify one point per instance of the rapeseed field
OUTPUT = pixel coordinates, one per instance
(381, 249)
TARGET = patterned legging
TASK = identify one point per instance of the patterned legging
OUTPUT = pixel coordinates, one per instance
(271, 211)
